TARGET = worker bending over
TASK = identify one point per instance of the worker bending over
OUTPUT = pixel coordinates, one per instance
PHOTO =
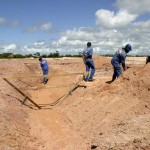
(44, 66)
(119, 58)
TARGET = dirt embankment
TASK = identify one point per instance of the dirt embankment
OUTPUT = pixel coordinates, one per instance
(14, 130)
(101, 116)
(113, 116)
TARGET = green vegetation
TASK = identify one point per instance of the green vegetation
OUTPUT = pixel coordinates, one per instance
(111, 55)
(51, 55)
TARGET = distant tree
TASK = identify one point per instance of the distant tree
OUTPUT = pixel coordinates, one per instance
(50, 55)
(19, 56)
(6, 55)
(68, 55)
(28, 55)
(54, 55)
(44, 56)
(37, 54)
(77, 55)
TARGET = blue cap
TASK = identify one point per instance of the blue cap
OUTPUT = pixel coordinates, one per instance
(128, 47)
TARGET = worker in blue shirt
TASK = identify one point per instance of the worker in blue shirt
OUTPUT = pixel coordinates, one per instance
(44, 66)
(119, 58)
(89, 63)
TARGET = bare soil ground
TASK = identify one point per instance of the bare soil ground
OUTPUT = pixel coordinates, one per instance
(94, 115)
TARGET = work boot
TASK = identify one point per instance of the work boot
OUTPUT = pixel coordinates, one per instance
(86, 79)
(45, 81)
(90, 79)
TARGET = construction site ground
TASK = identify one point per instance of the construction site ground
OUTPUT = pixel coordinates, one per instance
(74, 114)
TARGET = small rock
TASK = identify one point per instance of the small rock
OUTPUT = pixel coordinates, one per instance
(93, 146)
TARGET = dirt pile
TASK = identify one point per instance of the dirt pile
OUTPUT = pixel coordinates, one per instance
(116, 115)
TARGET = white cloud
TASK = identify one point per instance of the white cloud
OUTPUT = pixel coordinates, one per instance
(115, 30)
(42, 47)
(103, 41)
(2, 20)
(9, 23)
(31, 29)
(75, 35)
(46, 26)
(142, 25)
(134, 6)
(108, 19)
(9, 48)
(109, 40)
(15, 23)
(39, 43)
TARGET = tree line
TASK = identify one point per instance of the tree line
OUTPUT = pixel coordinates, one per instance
(51, 55)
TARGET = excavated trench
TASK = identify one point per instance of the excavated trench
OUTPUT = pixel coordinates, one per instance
(45, 96)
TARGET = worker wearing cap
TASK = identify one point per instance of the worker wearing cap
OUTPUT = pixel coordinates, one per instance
(89, 63)
(119, 58)
(44, 66)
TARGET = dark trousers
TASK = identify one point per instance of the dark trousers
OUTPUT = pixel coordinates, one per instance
(45, 72)
(90, 65)
(117, 69)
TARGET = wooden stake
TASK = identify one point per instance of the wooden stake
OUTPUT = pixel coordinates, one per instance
(70, 91)
(27, 97)
(61, 99)
(63, 74)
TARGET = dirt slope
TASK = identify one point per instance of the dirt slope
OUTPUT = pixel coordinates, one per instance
(115, 116)
(14, 130)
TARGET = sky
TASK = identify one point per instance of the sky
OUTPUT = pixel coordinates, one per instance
(47, 26)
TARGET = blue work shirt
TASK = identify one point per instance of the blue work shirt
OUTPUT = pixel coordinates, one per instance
(44, 65)
(87, 53)
(120, 56)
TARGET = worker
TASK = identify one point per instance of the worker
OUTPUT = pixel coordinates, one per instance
(89, 63)
(44, 66)
(147, 59)
(119, 58)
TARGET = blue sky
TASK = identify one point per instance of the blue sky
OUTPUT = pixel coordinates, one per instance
(30, 26)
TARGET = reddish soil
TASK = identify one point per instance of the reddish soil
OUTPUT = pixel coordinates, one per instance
(95, 115)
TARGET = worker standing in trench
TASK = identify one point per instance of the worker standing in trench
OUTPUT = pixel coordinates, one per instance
(44, 66)
(119, 58)
(89, 63)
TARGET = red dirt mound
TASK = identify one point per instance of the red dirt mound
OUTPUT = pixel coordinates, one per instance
(115, 116)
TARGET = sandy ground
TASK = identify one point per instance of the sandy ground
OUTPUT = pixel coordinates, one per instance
(95, 115)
